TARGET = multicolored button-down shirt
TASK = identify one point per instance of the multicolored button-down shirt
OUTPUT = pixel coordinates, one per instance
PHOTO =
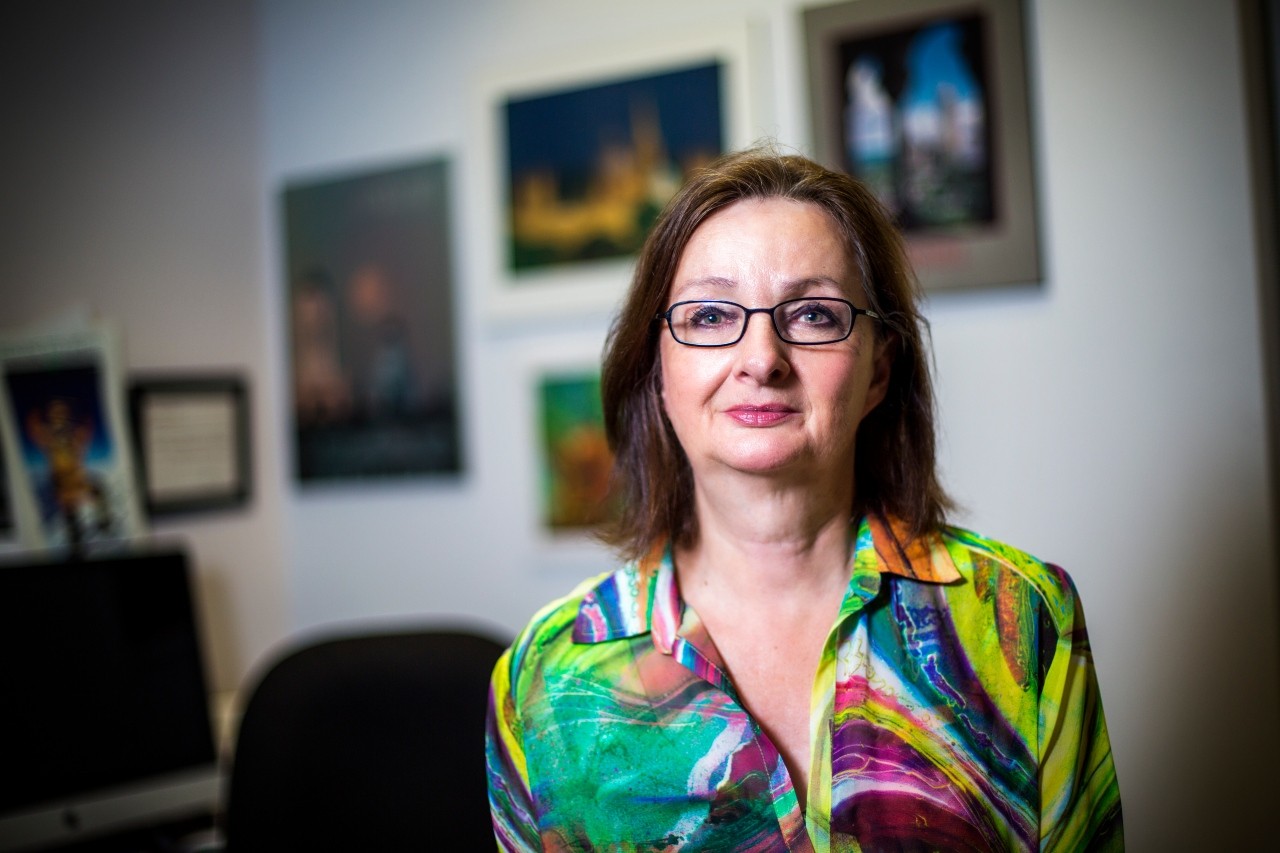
(955, 709)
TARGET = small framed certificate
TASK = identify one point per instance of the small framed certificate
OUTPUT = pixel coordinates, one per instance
(192, 435)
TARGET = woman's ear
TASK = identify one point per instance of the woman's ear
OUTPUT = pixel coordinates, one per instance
(881, 369)
(655, 378)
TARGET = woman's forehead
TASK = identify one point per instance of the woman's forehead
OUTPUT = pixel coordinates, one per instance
(784, 246)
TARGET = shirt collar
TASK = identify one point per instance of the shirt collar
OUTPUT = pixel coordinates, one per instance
(888, 545)
(638, 598)
(643, 597)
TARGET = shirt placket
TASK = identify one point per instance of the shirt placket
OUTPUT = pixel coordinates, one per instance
(834, 669)
(691, 646)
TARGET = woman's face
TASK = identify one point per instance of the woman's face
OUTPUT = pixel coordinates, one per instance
(764, 406)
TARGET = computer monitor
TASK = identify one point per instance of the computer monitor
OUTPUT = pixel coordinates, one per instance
(104, 713)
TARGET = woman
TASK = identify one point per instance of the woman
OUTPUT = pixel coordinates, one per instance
(798, 654)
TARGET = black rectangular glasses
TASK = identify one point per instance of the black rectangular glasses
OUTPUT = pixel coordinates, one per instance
(806, 322)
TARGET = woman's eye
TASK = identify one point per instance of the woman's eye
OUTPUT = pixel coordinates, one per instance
(709, 315)
(813, 315)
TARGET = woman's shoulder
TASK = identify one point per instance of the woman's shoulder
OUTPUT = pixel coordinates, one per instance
(988, 564)
(551, 624)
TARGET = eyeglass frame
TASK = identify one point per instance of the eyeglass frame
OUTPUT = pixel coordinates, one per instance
(773, 320)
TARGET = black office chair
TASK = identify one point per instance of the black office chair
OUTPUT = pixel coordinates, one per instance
(366, 743)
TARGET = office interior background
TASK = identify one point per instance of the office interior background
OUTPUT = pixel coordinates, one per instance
(1111, 418)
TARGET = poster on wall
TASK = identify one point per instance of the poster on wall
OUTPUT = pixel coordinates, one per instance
(575, 460)
(925, 101)
(65, 440)
(370, 307)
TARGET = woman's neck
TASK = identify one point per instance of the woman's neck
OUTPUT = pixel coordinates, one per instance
(761, 541)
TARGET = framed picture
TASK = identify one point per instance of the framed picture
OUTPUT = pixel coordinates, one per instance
(65, 440)
(192, 440)
(926, 102)
(587, 150)
(575, 463)
(371, 324)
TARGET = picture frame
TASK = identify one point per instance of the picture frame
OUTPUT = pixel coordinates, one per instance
(192, 439)
(588, 85)
(575, 462)
(371, 323)
(926, 101)
(66, 441)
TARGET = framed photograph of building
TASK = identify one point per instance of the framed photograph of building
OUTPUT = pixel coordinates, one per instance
(926, 102)
(589, 167)
(588, 149)
(369, 267)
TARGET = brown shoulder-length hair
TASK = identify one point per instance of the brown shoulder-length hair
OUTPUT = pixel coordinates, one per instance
(895, 472)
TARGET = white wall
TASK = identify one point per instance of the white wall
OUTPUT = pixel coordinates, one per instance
(1110, 420)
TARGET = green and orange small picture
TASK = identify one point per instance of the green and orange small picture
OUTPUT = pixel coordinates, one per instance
(576, 460)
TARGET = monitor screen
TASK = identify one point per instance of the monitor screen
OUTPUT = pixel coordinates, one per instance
(104, 715)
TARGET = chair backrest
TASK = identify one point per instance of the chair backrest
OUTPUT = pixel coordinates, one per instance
(367, 743)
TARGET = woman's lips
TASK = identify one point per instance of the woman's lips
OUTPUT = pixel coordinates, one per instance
(759, 416)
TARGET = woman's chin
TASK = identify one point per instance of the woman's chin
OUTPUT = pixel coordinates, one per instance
(768, 461)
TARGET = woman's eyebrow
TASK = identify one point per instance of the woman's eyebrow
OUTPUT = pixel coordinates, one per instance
(789, 288)
(714, 282)
(799, 284)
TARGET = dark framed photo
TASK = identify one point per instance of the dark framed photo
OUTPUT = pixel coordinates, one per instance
(371, 324)
(925, 101)
(587, 148)
(192, 440)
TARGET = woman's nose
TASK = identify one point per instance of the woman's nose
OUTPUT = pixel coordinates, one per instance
(762, 355)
